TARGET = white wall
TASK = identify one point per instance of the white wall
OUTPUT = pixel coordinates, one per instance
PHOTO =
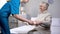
(54, 8)
(32, 7)
(2, 3)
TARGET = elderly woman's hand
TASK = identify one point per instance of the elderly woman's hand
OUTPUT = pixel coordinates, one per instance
(37, 22)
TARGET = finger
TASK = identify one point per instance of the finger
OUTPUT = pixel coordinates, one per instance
(34, 23)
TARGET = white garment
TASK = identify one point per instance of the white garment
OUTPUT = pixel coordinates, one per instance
(2, 2)
(45, 17)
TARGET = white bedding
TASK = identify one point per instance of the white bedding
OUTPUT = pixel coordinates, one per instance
(22, 29)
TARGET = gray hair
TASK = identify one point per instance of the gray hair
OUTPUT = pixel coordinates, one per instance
(47, 4)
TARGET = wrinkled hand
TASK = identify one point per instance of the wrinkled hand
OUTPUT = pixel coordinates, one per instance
(36, 22)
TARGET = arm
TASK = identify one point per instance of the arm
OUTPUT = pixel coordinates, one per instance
(47, 22)
(19, 17)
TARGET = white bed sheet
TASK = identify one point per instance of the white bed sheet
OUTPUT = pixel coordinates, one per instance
(22, 29)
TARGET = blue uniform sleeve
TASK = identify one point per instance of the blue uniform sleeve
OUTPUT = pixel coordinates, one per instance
(15, 6)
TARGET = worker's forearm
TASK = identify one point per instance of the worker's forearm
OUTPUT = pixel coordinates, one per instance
(19, 17)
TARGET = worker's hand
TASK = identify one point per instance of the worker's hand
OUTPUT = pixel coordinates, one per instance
(31, 22)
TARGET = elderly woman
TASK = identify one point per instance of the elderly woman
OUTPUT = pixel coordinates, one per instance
(43, 19)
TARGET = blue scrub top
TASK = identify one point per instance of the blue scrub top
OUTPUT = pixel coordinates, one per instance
(11, 7)
(15, 6)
